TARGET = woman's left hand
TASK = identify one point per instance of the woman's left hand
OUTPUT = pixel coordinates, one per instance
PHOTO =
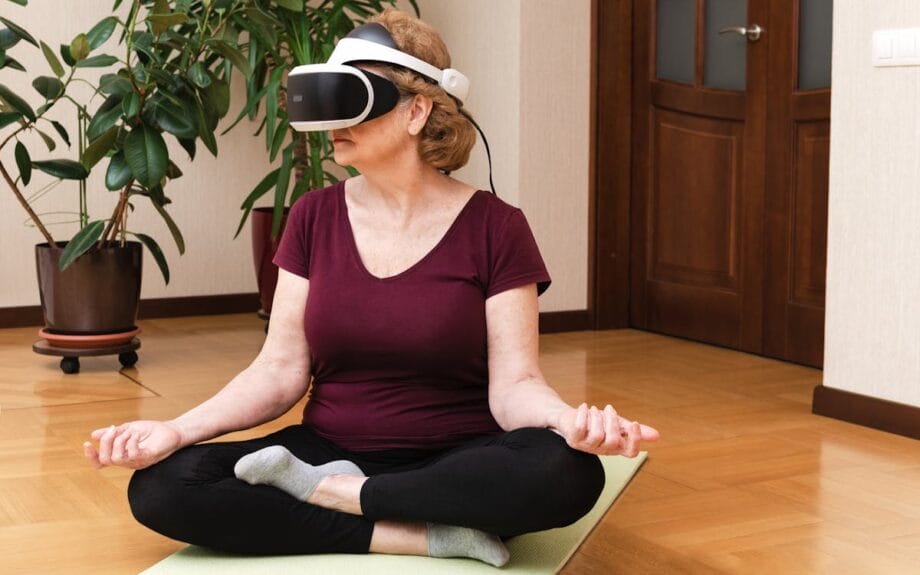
(603, 432)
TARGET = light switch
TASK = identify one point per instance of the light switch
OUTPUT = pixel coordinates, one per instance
(896, 47)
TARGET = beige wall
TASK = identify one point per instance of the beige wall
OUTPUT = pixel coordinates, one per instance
(873, 278)
(528, 62)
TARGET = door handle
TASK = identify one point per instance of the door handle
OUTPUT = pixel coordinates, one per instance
(753, 33)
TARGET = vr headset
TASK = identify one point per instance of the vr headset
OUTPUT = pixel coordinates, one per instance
(339, 95)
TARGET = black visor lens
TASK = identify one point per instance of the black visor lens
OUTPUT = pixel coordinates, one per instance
(325, 96)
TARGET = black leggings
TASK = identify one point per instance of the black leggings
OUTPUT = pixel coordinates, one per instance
(508, 484)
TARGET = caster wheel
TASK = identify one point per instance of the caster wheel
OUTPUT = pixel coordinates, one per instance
(128, 358)
(70, 365)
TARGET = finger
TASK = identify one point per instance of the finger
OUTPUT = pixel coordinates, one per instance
(613, 431)
(92, 455)
(649, 433)
(634, 436)
(595, 435)
(132, 448)
(105, 446)
(118, 445)
(97, 434)
(581, 421)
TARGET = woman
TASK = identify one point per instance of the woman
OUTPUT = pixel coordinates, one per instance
(411, 300)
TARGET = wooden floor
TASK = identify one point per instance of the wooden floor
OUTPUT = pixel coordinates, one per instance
(744, 480)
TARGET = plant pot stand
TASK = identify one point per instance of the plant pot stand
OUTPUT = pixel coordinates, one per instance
(71, 355)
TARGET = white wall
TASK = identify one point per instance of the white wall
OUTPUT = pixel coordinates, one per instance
(873, 278)
(529, 65)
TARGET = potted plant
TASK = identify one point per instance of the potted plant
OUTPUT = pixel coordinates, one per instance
(283, 34)
(171, 80)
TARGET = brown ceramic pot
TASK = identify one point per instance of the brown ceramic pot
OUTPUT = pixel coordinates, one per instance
(97, 294)
(263, 251)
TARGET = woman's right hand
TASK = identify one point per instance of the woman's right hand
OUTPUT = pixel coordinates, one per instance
(134, 445)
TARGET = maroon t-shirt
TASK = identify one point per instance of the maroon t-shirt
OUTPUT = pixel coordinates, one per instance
(401, 362)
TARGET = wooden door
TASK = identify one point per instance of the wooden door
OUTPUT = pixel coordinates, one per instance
(698, 171)
(729, 175)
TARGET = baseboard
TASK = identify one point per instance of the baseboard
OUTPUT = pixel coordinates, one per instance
(25, 316)
(559, 321)
(873, 412)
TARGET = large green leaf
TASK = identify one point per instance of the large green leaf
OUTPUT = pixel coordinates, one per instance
(157, 254)
(64, 169)
(19, 31)
(47, 139)
(281, 188)
(8, 38)
(101, 32)
(131, 105)
(115, 85)
(24, 162)
(16, 102)
(217, 96)
(171, 224)
(162, 22)
(7, 118)
(292, 5)
(11, 63)
(118, 173)
(61, 132)
(20, 2)
(106, 117)
(234, 55)
(48, 87)
(81, 243)
(79, 47)
(205, 132)
(146, 154)
(199, 76)
(99, 148)
(52, 60)
(98, 61)
(175, 119)
(267, 183)
(66, 55)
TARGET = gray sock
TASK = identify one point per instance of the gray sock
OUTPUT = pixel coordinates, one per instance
(451, 541)
(278, 467)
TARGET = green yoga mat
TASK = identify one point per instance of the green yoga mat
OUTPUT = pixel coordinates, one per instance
(540, 553)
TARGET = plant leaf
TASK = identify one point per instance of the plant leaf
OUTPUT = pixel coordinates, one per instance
(234, 55)
(66, 55)
(118, 173)
(101, 32)
(11, 63)
(98, 61)
(48, 87)
(281, 188)
(81, 243)
(131, 104)
(8, 39)
(47, 139)
(292, 5)
(52, 60)
(146, 154)
(24, 162)
(7, 118)
(204, 132)
(99, 148)
(175, 119)
(171, 224)
(267, 183)
(163, 22)
(115, 85)
(64, 169)
(280, 132)
(106, 116)
(157, 254)
(188, 144)
(19, 31)
(199, 75)
(79, 47)
(61, 132)
(20, 2)
(17, 103)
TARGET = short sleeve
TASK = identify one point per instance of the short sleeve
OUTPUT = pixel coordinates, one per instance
(515, 259)
(293, 253)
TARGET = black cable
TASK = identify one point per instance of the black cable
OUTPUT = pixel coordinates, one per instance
(484, 141)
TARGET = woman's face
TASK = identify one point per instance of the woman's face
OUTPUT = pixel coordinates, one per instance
(385, 138)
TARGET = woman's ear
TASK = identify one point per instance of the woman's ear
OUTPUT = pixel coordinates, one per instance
(419, 110)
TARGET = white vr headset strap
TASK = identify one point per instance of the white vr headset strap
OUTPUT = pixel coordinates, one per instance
(356, 49)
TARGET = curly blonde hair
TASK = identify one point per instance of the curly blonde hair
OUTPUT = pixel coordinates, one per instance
(448, 135)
